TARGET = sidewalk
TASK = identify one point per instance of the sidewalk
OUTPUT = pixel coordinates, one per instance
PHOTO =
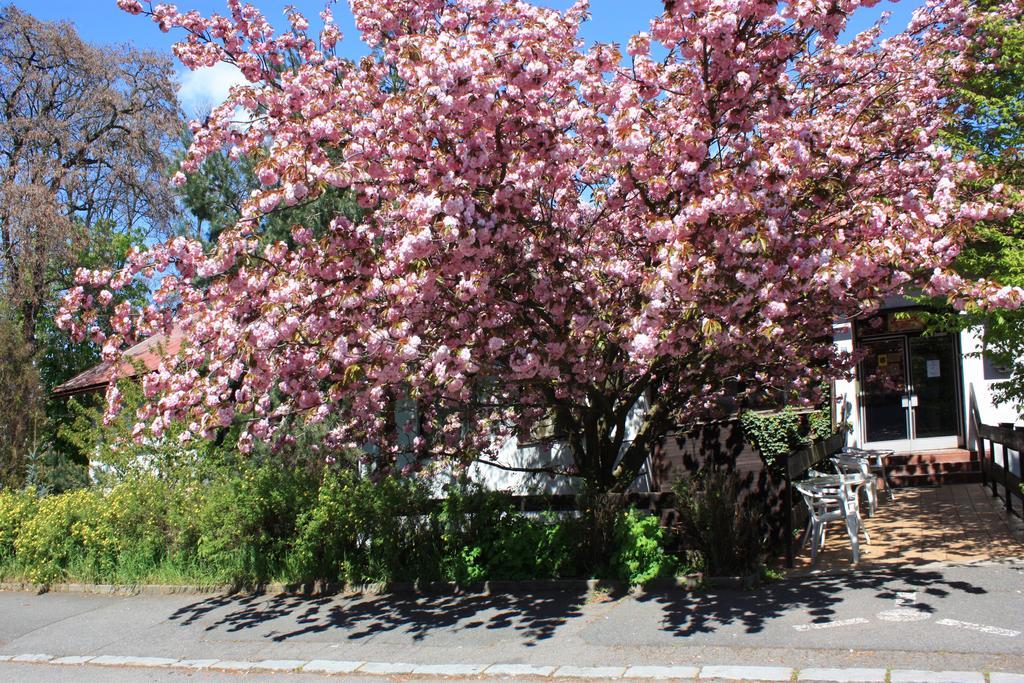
(958, 523)
(963, 620)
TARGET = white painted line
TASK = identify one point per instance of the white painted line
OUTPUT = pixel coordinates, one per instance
(661, 672)
(903, 615)
(331, 666)
(748, 673)
(914, 676)
(31, 658)
(830, 624)
(518, 670)
(6, 658)
(842, 675)
(980, 628)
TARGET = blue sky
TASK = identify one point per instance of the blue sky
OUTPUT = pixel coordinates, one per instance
(101, 21)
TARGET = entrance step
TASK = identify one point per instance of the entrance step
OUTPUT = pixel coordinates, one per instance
(928, 468)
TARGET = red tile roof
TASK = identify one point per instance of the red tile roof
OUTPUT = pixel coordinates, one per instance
(139, 359)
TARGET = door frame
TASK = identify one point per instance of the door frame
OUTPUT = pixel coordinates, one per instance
(912, 444)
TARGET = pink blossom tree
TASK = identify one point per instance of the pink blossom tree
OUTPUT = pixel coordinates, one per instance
(550, 230)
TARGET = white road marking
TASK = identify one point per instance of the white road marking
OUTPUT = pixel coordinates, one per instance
(903, 615)
(830, 624)
(906, 599)
(980, 628)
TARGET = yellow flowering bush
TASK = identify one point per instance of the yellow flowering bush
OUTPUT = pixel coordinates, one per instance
(66, 527)
(16, 508)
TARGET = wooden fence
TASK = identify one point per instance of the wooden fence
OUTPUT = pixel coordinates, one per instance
(996, 473)
(720, 446)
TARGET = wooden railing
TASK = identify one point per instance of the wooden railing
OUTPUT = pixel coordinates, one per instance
(997, 473)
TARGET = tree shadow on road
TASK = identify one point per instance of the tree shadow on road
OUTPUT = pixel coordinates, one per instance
(533, 615)
(817, 596)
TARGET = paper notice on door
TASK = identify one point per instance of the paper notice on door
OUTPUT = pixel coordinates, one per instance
(934, 368)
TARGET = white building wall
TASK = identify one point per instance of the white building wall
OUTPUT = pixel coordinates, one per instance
(982, 380)
(847, 408)
(502, 475)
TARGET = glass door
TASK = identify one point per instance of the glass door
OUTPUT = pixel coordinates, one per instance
(910, 393)
(884, 390)
(935, 399)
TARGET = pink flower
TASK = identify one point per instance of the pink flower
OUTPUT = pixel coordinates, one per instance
(130, 6)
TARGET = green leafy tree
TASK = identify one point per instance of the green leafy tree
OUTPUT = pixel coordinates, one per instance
(20, 416)
(990, 127)
(215, 194)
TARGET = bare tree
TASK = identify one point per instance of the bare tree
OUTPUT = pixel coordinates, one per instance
(83, 131)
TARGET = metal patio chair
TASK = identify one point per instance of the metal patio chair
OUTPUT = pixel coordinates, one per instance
(829, 502)
(876, 464)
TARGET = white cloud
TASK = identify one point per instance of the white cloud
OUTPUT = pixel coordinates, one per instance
(203, 89)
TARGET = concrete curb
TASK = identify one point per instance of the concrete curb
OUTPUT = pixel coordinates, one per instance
(486, 671)
(497, 587)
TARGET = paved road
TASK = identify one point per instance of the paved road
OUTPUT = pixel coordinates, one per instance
(937, 618)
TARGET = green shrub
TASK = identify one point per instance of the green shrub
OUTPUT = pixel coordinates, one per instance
(51, 472)
(726, 529)
(640, 554)
(359, 530)
(249, 524)
(470, 522)
(246, 521)
(534, 548)
(135, 515)
(484, 537)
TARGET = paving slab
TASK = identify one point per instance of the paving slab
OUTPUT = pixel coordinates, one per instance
(279, 664)
(917, 676)
(331, 666)
(72, 660)
(661, 672)
(853, 675)
(449, 669)
(386, 668)
(590, 671)
(197, 663)
(31, 658)
(1001, 677)
(231, 665)
(107, 660)
(518, 670)
(747, 673)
